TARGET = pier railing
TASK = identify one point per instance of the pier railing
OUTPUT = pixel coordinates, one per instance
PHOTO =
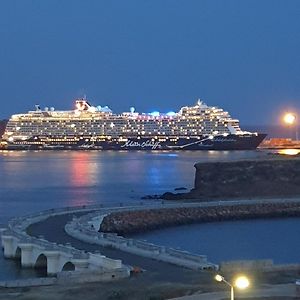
(81, 229)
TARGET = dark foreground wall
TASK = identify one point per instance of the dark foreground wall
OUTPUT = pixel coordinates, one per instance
(245, 179)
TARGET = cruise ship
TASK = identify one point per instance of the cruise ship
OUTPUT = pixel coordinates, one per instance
(198, 127)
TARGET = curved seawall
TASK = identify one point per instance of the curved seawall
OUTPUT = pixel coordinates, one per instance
(142, 220)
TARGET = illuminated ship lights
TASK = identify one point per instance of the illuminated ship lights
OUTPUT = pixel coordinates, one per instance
(97, 126)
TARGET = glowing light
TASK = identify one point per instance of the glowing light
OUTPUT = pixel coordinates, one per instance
(242, 282)
(92, 109)
(155, 114)
(219, 278)
(289, 151)
(289, 118)
(79, 106)
(171, 113)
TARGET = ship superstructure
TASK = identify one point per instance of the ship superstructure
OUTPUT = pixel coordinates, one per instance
(195, 127)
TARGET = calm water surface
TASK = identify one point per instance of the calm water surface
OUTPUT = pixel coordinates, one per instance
(277, 239)
(34, 181)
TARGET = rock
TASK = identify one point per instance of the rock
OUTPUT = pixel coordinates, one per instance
(180, 189)
(168, 196)
(270, 177)
(149, 197)
(142, 220)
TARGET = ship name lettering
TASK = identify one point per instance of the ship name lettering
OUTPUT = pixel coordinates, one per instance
(146, 144)
(151, 144)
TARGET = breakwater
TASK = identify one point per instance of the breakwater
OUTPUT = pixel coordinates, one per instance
(128, 222)
(270, 177)
(83, 228)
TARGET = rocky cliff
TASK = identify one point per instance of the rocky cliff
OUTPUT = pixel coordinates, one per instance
(244, 179)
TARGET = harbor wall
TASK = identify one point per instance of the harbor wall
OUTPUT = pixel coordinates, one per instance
(80, 229)
(273, 177)
(280, 177)
(30, 282)
(266, 265)
(130, 222)
(67, 277)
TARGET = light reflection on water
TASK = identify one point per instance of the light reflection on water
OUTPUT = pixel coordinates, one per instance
(32, 181)
(83, 172)
(290, 152)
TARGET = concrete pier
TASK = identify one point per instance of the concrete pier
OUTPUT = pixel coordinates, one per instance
(80, 228)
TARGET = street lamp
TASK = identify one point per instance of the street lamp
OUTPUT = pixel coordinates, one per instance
(241, 282)
(290, 119)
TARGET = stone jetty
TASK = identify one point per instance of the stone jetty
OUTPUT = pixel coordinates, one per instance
(128, 222)
(80, 228)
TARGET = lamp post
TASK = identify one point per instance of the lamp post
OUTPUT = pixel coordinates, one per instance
(240, 282)
(290, 119)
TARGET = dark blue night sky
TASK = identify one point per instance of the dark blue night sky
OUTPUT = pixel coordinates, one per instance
(243, 56)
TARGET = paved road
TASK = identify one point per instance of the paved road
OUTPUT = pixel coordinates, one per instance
(53, 230)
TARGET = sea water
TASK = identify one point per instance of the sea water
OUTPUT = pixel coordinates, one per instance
(34, 181)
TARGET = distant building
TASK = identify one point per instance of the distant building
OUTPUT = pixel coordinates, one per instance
(279, 142)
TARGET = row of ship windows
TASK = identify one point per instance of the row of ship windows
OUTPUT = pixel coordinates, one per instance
(116, 121)
(115, 127)
(184, 132)
(150, 131)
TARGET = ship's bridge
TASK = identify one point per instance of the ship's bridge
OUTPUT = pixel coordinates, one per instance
(201, 108)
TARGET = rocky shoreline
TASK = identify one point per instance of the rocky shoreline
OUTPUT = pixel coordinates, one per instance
(260, 178)
(143, 220)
